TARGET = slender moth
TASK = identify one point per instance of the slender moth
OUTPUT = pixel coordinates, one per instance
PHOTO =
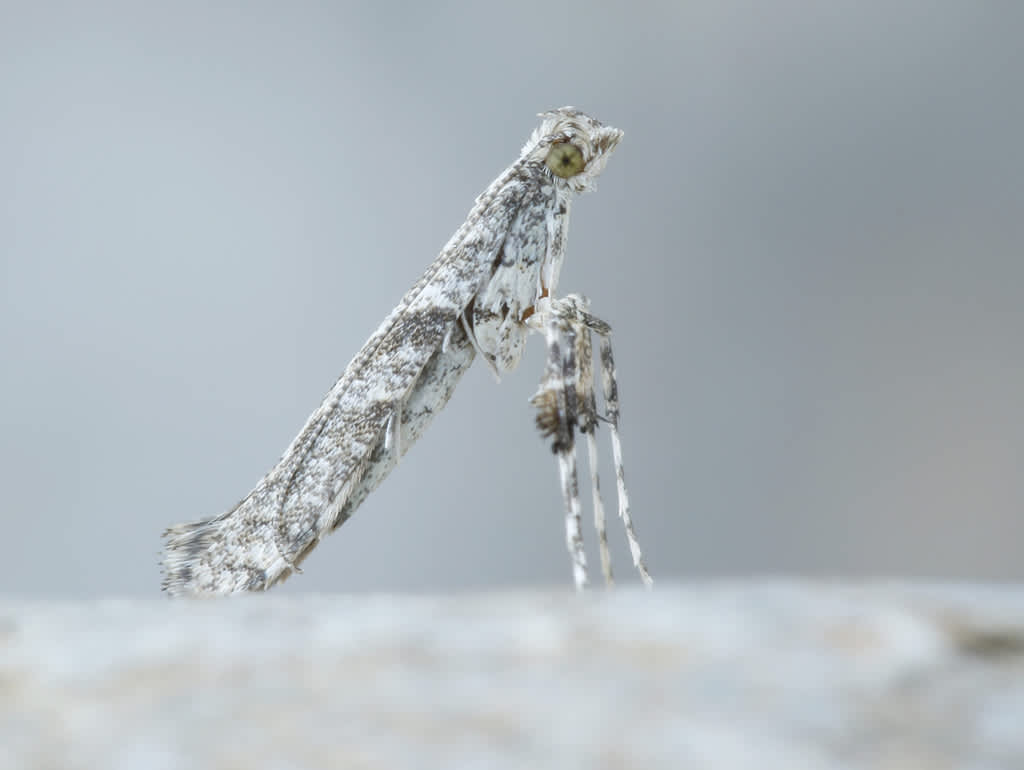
(492, 284)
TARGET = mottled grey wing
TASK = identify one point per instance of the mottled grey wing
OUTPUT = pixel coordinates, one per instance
(427, 398)
(305, 495)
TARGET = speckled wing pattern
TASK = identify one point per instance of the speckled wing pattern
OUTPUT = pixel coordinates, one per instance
(475, 297)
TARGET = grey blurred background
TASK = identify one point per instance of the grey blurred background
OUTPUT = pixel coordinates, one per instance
(809, 244)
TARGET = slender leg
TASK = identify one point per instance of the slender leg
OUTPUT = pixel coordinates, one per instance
(556, 418)
(572, 309)
(587, 421)
(566, 402)
(611, 405)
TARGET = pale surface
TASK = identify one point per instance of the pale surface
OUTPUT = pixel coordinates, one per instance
(718, 676)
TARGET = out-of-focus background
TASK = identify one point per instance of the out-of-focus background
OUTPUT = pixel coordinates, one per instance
(810, 245)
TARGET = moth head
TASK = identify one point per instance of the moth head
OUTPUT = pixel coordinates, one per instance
(572, 146)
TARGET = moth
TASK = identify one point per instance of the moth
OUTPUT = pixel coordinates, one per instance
(493, 284)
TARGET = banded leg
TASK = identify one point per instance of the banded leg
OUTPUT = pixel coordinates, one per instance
(587, 422)
(611, 405)
(556, 402)
(573, 386)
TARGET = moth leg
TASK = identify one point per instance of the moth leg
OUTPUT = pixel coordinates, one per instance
(611, 405)
(587, 422)
(573, 310)
(556, 402)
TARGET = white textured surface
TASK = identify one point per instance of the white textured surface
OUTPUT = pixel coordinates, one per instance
(779, 675)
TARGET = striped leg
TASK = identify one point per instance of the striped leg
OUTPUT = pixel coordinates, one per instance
(565, 402)
(556, 402)
(611, 405)
(587, 422)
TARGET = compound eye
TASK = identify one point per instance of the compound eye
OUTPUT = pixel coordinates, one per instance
(565, 159)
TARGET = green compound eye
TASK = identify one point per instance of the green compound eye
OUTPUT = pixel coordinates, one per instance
(565, 159)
